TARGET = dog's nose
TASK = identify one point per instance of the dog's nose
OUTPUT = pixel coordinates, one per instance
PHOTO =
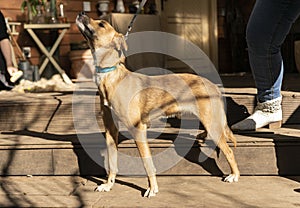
(82, 13)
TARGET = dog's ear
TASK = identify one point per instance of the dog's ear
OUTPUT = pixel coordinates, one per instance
(120, 42)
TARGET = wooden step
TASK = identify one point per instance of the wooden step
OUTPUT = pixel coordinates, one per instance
(264, 152)
(54, 112)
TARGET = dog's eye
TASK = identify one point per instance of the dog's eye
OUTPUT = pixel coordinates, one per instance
(101, 24)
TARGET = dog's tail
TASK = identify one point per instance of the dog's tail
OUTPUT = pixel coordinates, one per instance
(229, 135)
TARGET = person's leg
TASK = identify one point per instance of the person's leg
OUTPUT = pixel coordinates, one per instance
(267, 28)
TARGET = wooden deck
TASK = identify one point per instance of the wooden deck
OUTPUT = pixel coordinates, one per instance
(41, 135)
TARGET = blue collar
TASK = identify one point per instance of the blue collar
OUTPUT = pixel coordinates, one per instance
(105, 70)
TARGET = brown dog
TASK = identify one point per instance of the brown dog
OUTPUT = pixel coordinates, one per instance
(134, 97)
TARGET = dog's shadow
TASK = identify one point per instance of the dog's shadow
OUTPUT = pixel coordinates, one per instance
(188, 147)
(118, 181)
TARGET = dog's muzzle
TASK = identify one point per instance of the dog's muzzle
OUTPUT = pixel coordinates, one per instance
(83, 23)
(82, 20)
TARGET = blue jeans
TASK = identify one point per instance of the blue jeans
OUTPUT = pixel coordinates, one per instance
(267, 28)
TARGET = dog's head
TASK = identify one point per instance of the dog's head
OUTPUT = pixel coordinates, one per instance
(99, 33)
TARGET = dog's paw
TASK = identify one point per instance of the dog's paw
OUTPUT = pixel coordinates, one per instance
(232, 178)
(149, 193)
(104, 187)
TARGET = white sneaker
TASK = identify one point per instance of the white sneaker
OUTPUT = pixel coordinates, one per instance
(266, 113)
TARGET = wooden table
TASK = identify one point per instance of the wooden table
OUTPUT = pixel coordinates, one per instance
(49, 54)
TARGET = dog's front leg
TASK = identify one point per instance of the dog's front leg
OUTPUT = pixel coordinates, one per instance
(144, 150)
(111, 133)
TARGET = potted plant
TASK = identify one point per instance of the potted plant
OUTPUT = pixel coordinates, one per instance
(32, 7)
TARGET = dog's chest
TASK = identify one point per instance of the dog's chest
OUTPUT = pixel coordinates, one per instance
(99, 77)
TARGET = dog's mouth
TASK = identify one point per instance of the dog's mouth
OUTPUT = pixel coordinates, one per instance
(83, 24)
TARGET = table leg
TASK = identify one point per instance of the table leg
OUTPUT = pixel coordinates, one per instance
(49, 55)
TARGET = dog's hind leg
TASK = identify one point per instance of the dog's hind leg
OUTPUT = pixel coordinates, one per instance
(214, 121)
(140, 135)
(111, 133)
(221, 141)
(235, 173)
